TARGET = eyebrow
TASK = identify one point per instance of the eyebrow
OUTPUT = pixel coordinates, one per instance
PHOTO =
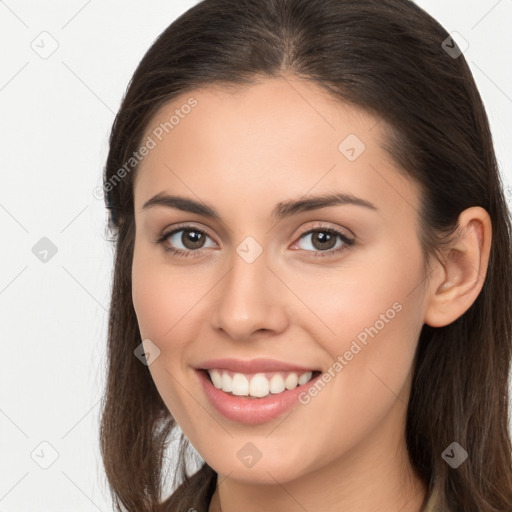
(280, 211)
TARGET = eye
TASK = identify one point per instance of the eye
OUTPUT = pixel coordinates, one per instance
(323, 241)
(191, 240)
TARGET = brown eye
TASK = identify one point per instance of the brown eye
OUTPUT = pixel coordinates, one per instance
(325, 240)
(185, 241)
(192, 239)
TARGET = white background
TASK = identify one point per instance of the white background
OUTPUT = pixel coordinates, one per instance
(55, 118)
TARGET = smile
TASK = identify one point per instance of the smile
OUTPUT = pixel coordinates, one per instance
(245, 408)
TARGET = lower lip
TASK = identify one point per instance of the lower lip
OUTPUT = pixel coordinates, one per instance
(252, 410)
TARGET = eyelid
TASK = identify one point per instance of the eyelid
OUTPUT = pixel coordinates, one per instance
(180, 227)
(318, 225)
(325, 225)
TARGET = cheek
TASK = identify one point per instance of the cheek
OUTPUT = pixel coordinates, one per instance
(150, 299)
(387, 327)
(367, 290)
(374, 314)
(163, 297)
(161, 301)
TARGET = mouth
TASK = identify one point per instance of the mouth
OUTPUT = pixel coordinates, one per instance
(257, 385)
(253, 398)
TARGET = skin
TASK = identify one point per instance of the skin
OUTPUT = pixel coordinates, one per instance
(243, 151)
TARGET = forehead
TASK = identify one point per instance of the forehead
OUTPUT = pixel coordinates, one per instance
(274, 112)
(280, 136)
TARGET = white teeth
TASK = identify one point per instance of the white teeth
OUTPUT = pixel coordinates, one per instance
(216, 378)
(291, 381)
(227, 383)
(277, 384)
(240, 385)
(305, 377)
(257, 385)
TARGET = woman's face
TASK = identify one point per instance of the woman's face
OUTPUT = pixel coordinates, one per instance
(337, 289)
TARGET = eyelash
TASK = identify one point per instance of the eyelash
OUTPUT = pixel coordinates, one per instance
(348, 242)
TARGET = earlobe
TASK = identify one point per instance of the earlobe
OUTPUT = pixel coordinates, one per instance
(461, 273)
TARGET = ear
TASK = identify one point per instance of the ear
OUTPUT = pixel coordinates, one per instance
(458, 278)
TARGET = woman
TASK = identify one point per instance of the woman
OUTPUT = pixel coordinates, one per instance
(367, 374)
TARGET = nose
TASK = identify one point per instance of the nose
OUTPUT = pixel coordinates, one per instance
(250, 299)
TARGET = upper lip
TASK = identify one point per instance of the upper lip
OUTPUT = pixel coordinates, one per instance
(252, 366)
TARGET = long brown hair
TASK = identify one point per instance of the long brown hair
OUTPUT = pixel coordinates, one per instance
(394, 60)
